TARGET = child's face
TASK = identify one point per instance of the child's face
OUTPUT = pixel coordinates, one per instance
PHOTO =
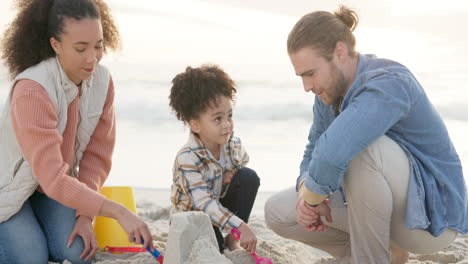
(215, 125)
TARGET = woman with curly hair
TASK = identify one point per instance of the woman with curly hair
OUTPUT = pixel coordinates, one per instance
(58, 133)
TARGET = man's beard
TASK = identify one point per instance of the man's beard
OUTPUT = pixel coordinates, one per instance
(339, 87)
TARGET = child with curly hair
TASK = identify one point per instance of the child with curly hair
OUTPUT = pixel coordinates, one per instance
(209, 172)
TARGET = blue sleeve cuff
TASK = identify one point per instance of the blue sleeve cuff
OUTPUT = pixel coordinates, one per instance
(299, 179)
(317, 188)
(325, 175)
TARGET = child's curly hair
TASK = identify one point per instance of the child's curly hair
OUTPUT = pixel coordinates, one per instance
(198, 88)
(26, 40)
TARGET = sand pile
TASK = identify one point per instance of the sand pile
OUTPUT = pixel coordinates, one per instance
(200, 241)
(192, 240)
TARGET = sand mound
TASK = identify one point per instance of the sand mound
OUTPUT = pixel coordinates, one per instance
(192, 240)
(279, 250)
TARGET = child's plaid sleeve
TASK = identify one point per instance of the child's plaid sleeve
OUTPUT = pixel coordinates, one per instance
(203, 199)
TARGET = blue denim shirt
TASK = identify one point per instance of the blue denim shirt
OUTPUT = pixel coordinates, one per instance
(386, 99)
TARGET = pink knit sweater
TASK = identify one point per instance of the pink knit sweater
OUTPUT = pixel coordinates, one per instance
(51, 155)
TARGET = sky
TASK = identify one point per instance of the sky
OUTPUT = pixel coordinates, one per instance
(239, 32)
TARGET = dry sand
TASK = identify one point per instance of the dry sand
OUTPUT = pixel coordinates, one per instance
(279, 250)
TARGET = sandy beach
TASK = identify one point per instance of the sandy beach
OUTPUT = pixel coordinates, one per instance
(153, 206)
(248, 40)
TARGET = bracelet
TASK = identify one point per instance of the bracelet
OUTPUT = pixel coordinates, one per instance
(310, 205)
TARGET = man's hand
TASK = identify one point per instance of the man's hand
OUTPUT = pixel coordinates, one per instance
(309, 217)
(84, 228)
(227, 176)
(305, 216)
(323, 209)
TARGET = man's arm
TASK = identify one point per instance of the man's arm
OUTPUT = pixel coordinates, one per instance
(318, 127)
(380, 104)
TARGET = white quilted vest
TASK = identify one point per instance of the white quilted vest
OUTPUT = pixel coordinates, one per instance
(17, 182)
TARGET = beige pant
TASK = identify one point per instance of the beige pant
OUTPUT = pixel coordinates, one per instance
(375, 186)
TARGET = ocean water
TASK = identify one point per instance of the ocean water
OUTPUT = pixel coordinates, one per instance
(272, 112)
(272, 121)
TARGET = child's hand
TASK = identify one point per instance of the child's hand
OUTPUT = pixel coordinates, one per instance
(227, 176)
(248, 240)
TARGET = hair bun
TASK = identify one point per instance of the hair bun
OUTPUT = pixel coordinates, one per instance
(348, 16)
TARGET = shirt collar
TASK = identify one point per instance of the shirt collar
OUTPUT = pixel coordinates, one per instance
(363, 62)
(196, 145)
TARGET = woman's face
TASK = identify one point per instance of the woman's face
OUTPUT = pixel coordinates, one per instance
(80, 47)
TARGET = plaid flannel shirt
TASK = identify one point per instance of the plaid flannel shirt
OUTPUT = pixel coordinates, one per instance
(198, 180)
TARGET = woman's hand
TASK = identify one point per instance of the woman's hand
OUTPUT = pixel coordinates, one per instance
(136, 229)
(248, 240)
(84, 228)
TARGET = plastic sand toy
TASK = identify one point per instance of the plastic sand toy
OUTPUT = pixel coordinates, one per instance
(236, 234)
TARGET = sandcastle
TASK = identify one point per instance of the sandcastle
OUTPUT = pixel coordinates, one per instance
(192, 240)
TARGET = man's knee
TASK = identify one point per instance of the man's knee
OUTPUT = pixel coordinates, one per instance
(278, 209)
(378, 155)
(270, 218)
(378, 176)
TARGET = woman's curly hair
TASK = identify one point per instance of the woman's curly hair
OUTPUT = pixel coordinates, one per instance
(26, 41)
(198, 88)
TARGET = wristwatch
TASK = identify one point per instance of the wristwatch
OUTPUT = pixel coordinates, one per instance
(310, 205)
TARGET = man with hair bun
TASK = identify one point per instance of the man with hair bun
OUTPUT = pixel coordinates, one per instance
(380, 176)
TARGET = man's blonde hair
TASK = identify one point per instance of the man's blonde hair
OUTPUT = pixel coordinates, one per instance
(321, 30)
